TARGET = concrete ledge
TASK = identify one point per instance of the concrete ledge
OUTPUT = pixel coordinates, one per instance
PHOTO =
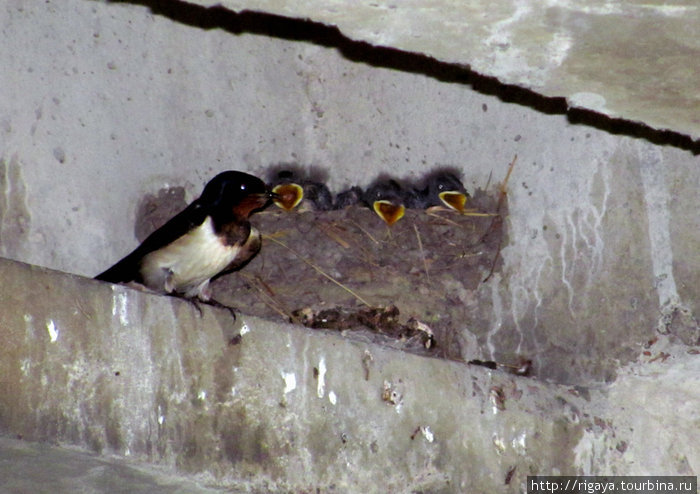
(117, 371)
(125, 373)
(41, 468)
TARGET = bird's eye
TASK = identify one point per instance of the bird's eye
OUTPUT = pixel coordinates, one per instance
(243, 187)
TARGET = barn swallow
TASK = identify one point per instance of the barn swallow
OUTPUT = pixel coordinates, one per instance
(210, 237)
(292, 190)
(443, 187)
(386, 198)
(348, 197)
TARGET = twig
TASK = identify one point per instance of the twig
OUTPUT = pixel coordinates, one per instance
(498, 219)
(434, 213)
(488, 182)
(268, 298)
(422, 253)
(275, 306)
(485, 215)
(330, 231)
(364, 231)
(504, 184)
(353, 242)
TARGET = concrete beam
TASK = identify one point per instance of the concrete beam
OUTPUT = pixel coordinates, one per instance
(633, 59)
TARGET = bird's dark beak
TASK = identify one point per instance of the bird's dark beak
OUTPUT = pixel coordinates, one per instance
(287, 196)
(454, 200)
(252, 203)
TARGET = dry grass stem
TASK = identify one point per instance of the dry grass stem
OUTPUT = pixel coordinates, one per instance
(320, 271)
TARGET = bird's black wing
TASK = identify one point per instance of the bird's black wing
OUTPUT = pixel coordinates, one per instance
(128, 269)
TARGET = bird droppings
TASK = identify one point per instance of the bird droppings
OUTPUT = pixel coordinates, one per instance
(383, 320)
(119, 305)
(498, 399)
(332, 397)
(367, 360)
(53, 331)
(498, 444)
(392, 395)
(25, 366)
(519, 442)
(290, 381)
(321, 378)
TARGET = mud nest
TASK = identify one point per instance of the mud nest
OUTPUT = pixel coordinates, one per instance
(414, 285)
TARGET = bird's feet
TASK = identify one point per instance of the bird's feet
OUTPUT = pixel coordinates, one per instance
(218, 305)
(198, 301)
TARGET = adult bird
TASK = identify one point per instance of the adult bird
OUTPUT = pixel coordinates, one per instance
(210, 237)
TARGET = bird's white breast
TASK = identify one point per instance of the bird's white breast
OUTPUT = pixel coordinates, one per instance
(187, 264)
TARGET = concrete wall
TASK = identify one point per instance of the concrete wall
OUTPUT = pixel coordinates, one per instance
(104, 103)
(629, 59)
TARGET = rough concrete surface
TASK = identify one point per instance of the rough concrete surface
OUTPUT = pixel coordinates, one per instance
(105, 104)
(121, 372)
(40, 468)
(632, 59)
(110, 103)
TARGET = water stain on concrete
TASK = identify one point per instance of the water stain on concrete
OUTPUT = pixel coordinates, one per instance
(14, 213)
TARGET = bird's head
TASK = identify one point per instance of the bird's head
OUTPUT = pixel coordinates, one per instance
(446, 187)
(236, 193)
(386, 198)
